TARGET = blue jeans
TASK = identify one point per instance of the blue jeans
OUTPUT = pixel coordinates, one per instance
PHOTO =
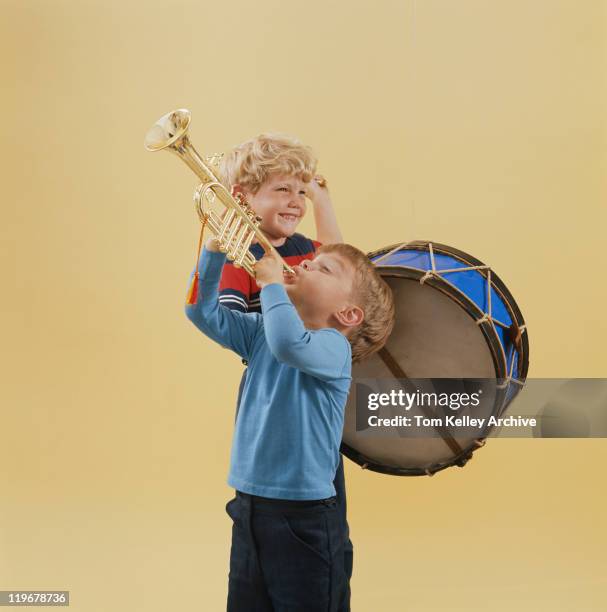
(339, 483)
(286, 556)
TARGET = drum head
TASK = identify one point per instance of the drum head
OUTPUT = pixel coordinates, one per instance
(434, 337)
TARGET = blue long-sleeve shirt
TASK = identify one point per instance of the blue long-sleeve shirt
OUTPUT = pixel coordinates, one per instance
(289, 426)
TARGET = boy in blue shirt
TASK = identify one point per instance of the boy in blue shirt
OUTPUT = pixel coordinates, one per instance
(277, 175)
(287, 538)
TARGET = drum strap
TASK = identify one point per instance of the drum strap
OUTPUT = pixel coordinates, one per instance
(399, 373)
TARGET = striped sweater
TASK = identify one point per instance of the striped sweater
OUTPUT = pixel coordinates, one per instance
(239, 291)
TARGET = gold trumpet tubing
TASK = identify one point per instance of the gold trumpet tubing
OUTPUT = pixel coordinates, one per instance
(243, 259)
(217, 225)
(226, 198)
(214, 223)
(220, 226)
(241, 256)
(186, 151)
(236, 225)
(235, 249)
(224, 225)
(249, 267)
(244, 253)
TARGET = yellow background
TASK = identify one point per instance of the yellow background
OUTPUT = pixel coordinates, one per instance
(479, 124)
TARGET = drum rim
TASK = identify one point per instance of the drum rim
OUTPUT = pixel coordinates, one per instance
(369, 464)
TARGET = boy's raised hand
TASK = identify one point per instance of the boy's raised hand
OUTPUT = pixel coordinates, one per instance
(269, 268)
(317, 190)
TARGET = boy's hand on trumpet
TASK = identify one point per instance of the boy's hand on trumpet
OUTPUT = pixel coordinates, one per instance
(212, 245)
(269, 268)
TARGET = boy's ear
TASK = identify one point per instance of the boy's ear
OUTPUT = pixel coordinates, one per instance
(351, 316)
(237, 188)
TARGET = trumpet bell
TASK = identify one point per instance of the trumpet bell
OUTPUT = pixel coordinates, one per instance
(167, 130)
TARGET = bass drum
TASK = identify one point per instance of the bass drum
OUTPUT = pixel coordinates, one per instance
(455, 319)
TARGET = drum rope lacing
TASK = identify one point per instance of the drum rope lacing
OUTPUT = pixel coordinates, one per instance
(487, 316)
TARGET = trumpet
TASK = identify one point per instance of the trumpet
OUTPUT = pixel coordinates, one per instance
(236, 226)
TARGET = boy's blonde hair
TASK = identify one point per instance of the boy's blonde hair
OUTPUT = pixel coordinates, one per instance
(251, 163)
(373, 295)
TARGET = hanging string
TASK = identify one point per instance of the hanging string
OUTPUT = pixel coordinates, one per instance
(193, 290)
(412, 221)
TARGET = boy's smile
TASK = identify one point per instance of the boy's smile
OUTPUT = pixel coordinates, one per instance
(290, 218)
